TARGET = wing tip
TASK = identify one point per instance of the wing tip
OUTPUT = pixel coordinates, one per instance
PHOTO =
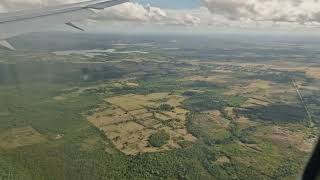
(6, 45)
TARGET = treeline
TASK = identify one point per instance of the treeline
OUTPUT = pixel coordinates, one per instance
(279, 76)
(104, 73)
(210, 100)
(277, 113)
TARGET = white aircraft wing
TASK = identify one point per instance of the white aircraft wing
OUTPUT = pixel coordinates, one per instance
(22, 22)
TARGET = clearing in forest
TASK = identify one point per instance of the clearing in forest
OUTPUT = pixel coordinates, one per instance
(18, 137)
(133, 118)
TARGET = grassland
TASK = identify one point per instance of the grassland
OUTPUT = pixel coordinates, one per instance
(18, 137)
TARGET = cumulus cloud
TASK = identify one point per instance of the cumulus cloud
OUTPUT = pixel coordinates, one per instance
(297, 11)
(147, 14)
(234, 14)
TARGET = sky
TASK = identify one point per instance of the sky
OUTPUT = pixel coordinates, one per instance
(197, 15)
(172, 4)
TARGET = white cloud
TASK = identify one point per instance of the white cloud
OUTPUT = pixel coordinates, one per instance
(232, 14)
(147, 14)
(296, 11)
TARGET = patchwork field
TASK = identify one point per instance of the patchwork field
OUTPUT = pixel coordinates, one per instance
(134, 118)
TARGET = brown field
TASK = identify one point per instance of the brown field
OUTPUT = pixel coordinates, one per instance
(144, 116)
(284, 137)
(223, 160)
(313, 73)
(252, 102)
(241, 121)
(109, 117)
(293, 137)
(132, 84)
(254, 86)
(150, 123)
(218, 119)
(18, 137)
(133, 120)
(139, 111)
(162, 117)
(264, 93)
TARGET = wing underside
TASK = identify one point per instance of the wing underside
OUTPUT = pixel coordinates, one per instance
(21, 22)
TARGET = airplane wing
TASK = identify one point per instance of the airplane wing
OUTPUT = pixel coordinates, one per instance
(22, 22)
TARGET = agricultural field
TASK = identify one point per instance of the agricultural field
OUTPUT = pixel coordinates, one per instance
(134, 118)
(149, 111)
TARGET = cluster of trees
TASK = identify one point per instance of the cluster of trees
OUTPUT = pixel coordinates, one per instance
(93, 91)
(165, 107)
(279, 76)
(204, 102)
(277, 113)
(159, 139)
(210, 100)
(202, 84)
(189, 93)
